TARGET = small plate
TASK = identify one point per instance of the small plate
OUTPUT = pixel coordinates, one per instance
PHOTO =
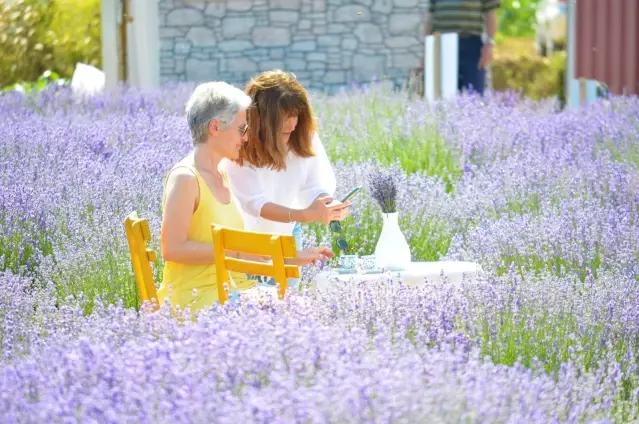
(372, 271)
(345, 270)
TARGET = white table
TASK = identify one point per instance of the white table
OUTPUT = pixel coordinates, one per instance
(415, 274)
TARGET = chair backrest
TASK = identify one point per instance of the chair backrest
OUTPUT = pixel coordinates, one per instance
(138, 233)
(278, 247)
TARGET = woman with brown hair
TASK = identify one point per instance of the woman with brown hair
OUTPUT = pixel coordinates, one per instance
(283, 176)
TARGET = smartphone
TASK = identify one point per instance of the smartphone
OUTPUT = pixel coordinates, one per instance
(352, 193)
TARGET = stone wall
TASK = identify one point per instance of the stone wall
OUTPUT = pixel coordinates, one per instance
(327, 43)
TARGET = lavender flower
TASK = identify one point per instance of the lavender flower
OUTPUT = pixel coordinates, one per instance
(383, 187)
(545, 200)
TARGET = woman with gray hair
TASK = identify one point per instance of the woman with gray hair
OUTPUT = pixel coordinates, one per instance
(196, 194)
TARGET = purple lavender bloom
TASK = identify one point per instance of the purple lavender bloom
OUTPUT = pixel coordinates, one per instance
(546, 201)
(383, 187)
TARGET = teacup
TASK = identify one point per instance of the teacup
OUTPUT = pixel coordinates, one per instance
(348, 261)
(369, 262)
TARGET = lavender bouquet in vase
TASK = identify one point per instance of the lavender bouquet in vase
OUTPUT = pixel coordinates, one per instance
(392, 251)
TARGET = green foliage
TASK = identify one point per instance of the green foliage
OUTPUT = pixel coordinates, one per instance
(517, 67)
(23, 40)
(37, 35)
(516, 18)
(46, 79)
(77, 26)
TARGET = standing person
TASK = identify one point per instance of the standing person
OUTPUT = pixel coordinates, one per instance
(475, 21)
(197, 194)
(283, 176)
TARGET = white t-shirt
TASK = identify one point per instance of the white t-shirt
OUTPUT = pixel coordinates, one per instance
(294, 187)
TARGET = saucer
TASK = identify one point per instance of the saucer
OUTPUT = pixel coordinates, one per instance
(345, 270)
(372, 271)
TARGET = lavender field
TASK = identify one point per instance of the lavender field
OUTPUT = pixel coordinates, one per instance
(547, 201)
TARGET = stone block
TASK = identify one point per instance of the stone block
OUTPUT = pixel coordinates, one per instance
(320, 29)
(285, 16)
(184, 17)
(406, 60)
(338, 29)
(304, 25)
(241, 64)
(382, 6)
(201, 70)
(235, 45)
(198, 54)
(349, 44)
(233, 27)
(316, 57)
(167, 44)
(315, 66)
(239, 5)
(352, 13)
(285, 4)
(215, 9)
(404, 23)
(295, 65)
(319, 5)
(277, 53)
(318, 75)
(402, 42)
(335, 77)
(201, 36)
(170, 32)
(328, 40)
(271, 37)
(304, 37)
(195, 4)
(368, 33)
(180, 66)
(266, 65)
(407, 4)
(182, 47)
(367, 67)
(304, 46)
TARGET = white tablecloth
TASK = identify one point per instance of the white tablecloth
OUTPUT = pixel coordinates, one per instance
(413, 275)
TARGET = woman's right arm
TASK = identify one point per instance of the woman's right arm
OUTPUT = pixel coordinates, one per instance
(179, 204)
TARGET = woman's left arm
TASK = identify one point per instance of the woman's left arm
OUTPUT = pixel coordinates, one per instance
(320, 179)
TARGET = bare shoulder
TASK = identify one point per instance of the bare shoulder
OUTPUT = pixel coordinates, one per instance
(181, 178)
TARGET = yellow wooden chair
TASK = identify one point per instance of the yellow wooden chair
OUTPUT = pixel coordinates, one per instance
(278, 247)
(138, 233)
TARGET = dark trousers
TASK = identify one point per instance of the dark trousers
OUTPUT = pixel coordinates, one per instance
(470, 76)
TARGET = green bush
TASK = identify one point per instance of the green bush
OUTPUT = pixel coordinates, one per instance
(23, 34)
(516, 18)
(517, 67)
(37, 35)
(77, 26)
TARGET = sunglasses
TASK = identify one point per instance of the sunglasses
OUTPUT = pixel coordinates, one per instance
(336, 227)
(243, 129)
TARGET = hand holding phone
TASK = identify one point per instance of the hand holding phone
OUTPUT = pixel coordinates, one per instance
(352, 193)
(349, 196)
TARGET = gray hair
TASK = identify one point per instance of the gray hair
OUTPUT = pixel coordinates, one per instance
(213, 100)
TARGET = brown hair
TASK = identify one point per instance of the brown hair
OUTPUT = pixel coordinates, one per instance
(276, 95)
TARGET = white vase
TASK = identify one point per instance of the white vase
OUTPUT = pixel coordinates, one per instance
(392, 251)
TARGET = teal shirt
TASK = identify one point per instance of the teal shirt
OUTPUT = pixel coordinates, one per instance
(460, 16)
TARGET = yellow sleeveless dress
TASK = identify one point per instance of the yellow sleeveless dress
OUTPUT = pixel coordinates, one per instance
(195, 286)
